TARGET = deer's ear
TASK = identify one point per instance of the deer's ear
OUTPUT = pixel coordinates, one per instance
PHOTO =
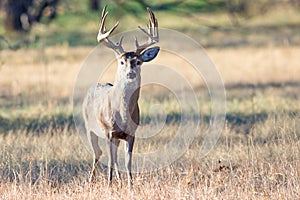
(149, 54)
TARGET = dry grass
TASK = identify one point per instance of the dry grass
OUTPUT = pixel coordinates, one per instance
(258, 166)
(54, 69)
(51, 163)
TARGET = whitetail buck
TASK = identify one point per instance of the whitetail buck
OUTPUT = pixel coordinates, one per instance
(113, 109)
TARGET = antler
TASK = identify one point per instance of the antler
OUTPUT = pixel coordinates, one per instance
(103, 35)
(152, 33)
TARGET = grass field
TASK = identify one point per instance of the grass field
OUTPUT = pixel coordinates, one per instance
(256, 156)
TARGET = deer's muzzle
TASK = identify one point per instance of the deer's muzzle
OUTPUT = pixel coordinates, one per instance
(131, 75)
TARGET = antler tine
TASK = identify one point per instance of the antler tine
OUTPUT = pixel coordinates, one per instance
(102, 36)
(152, 32)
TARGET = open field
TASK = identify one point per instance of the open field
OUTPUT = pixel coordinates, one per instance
(256, 157)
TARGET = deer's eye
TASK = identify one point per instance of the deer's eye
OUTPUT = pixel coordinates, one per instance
(122, 62)
(138, 62)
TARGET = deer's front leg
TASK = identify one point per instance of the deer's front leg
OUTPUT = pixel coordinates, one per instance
(115, 146)
(110, 159)
(128, 157)
(112, 145)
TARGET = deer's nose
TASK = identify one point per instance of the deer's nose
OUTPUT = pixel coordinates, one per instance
(131, 75)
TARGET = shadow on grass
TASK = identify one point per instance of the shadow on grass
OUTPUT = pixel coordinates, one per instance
(237, 121)
(37, 124)
(54, 172)
(240, 122)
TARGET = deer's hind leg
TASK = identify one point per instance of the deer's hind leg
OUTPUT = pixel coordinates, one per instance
(96, 154)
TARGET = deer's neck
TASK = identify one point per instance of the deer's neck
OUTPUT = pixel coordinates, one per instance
(125, 97)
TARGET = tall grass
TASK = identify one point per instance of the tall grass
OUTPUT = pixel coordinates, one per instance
(256, 157)
(55, 165)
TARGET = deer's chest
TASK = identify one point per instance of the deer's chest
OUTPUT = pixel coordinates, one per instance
(117, 111)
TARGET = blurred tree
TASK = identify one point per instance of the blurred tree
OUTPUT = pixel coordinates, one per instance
(295, 2)
(235, 8)
(94, 4)
(246, 8)
(21, 14)
(13, 12)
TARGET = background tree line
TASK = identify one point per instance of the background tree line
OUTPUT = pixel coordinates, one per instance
(20, 15)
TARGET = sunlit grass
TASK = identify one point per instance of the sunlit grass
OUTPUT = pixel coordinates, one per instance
(256, 157)
(264, 164)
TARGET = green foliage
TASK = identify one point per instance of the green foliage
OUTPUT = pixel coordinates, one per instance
(76, 25)
(195, 6)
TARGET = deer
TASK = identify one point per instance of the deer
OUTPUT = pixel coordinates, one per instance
(112, 110)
